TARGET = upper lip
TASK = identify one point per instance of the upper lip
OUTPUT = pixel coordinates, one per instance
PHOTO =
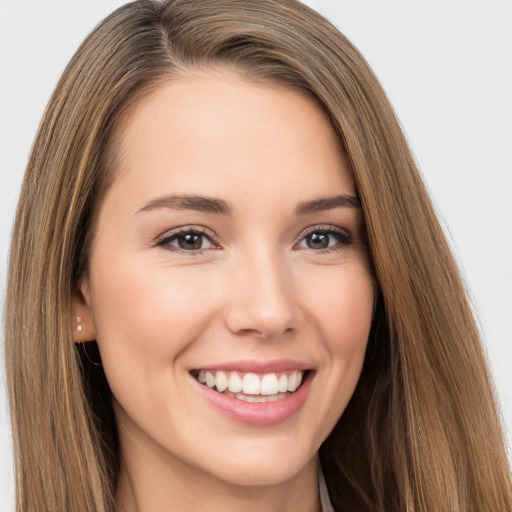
(246, 365)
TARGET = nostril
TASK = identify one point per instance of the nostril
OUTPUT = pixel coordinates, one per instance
(265, 331)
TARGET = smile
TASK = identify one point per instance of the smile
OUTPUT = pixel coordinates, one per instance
(252, 387)
(255, 393)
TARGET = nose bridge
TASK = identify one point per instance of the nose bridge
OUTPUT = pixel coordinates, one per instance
(263, 300)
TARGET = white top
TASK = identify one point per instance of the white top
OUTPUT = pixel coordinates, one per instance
(325, 501)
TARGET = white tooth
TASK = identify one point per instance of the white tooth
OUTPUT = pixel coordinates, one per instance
(293, 381)
(272, 398)
(299, 377)
(282, 385)
(221, 381)
(201, 378)
(250, 398)
(269, 384)
(210, 379)
(234, 383)
(251, 384)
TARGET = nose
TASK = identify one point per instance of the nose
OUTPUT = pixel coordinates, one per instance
(261, 297)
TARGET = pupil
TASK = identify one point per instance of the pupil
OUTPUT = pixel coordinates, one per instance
(190, 241)
(318, 241)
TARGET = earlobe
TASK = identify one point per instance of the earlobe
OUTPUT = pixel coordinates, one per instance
(83, 318)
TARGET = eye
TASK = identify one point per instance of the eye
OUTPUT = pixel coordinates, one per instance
(322, 239)
(188, 240)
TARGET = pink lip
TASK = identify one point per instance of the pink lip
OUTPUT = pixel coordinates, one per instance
(257, 414)
(245, 366)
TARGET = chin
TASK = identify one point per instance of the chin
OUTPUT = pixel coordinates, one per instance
(264, 475)
(264, 467)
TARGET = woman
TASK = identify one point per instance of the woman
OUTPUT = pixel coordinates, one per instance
(221, 197)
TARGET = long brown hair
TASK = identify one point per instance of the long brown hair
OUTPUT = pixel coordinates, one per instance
(421, 432)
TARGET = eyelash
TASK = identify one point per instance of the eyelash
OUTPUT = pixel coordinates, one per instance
(165, 240)
(343, 237)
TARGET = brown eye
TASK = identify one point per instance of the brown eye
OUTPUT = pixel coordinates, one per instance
(317, 240)
(190, 241)
(321, 239)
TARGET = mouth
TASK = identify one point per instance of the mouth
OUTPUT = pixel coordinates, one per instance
(255, 393)
(250, 386)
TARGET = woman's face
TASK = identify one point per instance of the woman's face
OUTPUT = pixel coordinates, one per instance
(228, 252)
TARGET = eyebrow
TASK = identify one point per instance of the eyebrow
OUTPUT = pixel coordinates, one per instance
(221, 207)
(198, 203)
(327, 203)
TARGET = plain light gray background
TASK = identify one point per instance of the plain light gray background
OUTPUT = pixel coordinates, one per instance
(447, 68)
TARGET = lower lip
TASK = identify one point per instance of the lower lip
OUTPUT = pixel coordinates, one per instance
(258, 414)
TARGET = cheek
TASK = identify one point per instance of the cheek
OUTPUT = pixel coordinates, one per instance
(144, 316)
(343, 312)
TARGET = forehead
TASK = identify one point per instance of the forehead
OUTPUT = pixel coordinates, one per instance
(218, 133)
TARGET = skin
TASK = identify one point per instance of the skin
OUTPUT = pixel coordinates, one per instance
(257, 290)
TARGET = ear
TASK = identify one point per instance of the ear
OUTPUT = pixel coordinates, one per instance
(83, 329)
